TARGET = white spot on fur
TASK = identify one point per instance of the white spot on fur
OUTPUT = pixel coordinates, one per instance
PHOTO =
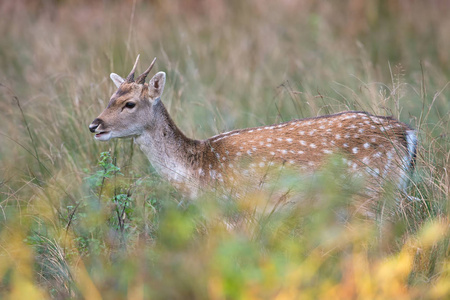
(303, 142)
(366, 145)
(355, 150)
(313, 146)
(289, 140)
(326, 151)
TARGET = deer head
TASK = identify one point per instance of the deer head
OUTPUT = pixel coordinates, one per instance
(130, 107)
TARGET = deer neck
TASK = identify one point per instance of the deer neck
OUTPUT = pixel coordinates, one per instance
(172, 154)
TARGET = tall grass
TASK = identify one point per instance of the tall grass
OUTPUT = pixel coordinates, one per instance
(75, 223)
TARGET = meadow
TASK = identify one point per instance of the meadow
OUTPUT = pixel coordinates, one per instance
(80, 219)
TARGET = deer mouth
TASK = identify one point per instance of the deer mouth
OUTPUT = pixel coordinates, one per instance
(103, 135)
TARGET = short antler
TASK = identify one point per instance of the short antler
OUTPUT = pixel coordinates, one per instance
(141, 78)
(130, 77)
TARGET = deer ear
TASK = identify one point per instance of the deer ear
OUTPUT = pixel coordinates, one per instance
(116, 79)
(156, 85)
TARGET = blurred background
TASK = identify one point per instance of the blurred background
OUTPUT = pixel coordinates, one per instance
(73, 225)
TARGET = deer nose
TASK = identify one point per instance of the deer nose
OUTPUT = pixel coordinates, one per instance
(94, 125)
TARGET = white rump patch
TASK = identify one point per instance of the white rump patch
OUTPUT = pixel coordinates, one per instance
(411, 145)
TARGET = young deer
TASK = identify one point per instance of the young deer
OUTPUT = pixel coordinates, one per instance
(381, 147)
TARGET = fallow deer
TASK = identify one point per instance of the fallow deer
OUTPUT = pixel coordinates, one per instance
(379, 146)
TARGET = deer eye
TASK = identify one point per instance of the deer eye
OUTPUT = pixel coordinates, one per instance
(130, 105)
